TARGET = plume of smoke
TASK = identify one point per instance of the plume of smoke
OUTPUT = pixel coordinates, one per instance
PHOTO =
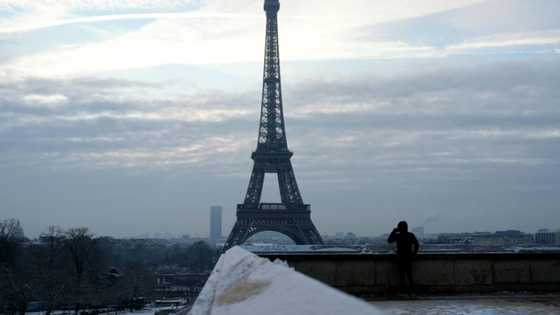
(432, 219)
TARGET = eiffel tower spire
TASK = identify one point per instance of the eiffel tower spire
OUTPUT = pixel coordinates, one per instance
(272, 132)
(291, 217)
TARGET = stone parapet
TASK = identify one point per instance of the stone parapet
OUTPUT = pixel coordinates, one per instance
(376, 275)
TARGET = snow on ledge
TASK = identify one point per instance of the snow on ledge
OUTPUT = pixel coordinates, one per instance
(243, 283)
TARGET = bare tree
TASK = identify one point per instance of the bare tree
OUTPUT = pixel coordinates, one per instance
(53, 279)
(79, 245)
(11, 228)
(200, 257)
(14, 290)
(11, 236)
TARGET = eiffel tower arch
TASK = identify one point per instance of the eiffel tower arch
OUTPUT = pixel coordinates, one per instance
(291, 216)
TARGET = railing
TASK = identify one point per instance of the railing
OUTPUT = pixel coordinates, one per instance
(272, 207)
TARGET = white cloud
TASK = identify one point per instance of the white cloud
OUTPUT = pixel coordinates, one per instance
(215, 41)
(35, 14)
(24, 24)
(509, 40)
(544, 134)
(211, 115)
(193, 155)
(161, 42)
(206, 41)
(49, 101)
(44, 13)
(219, 32)
(106, 5)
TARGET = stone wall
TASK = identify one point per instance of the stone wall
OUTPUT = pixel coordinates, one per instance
(375, 275)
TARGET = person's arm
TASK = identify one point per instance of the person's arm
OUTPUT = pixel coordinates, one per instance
(392, 237)
(416, 244)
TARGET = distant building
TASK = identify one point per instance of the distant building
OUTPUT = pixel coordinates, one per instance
(509, 233)
(544, 236)
(350, 236)
(215, 224)
(499, 238)
(513, 237)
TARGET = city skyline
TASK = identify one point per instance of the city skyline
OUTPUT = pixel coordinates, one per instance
(134, 117)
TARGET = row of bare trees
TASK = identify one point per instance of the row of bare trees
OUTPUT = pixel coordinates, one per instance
(12, 289)
(74, 270)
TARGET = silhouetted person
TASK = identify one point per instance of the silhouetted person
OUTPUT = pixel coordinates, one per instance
(407, 247)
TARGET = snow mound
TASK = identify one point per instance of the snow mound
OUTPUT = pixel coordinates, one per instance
(243, 283)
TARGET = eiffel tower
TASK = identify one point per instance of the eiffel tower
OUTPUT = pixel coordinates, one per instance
(291, 217)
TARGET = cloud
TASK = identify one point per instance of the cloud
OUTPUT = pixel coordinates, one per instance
(52, 100)
(454, 117)
(468, 130)
(510, 40)
(214, 33)
(24, 26)
(479, 20)
(39, 14)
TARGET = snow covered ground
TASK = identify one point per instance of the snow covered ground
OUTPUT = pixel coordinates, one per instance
(492, 306)
(470, 307)
(243, 283)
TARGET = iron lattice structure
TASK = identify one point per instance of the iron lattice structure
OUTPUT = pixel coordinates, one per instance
(292, 216)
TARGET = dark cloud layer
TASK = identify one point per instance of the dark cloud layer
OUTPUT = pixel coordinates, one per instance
(483, 19)
(476, 144)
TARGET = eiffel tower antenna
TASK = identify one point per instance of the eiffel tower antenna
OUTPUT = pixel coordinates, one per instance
(292, 216)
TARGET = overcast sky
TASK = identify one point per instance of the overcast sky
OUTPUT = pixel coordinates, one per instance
(134, 117)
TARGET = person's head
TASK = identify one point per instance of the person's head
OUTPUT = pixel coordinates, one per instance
(402, 226)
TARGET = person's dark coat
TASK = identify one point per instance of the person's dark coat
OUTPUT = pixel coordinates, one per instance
(407, 244)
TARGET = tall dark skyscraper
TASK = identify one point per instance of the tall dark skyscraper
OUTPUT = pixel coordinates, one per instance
(292, 216)
(215, 224)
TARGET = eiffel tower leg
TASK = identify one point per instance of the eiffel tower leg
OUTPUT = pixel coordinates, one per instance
(255, 188)
(238, 236)
(311, 233)
(302, 231)
(289, 191)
